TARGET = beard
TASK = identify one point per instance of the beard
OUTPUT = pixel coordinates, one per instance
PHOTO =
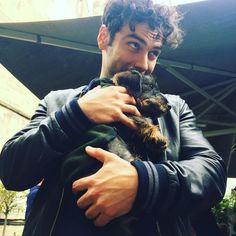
(115, 68)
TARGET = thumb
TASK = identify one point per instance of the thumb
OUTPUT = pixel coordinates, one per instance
(99, 153)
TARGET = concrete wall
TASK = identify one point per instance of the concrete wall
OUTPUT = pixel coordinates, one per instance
(31, 10)
(17, 104)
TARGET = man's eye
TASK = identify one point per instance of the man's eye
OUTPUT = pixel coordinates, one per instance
(133, 45)
(154, 54)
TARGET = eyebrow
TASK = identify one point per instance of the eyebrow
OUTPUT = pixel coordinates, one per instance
(142, 41)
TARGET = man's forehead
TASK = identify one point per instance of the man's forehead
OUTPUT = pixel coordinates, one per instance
(154, 34)
(145, 30)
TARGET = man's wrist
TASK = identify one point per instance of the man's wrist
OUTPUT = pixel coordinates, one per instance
(152, 186)
(72, 119)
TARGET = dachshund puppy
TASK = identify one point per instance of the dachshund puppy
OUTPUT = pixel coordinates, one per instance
(151, 104)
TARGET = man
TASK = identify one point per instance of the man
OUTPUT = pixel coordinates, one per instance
(162, 196)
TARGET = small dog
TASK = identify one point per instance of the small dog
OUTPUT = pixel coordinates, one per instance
(151, 104)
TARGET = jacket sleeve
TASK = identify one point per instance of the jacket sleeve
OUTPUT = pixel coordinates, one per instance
(192, 178)
(36, 151)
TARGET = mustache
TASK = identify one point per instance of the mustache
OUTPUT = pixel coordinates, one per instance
(132, 68)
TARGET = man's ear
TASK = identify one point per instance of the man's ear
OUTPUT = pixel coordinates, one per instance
(103, 37)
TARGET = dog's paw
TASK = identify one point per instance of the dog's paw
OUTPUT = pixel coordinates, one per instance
(153, 138)
(150, 133)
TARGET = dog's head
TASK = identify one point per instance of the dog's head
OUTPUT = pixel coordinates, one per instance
(132, 80)
(145, 90)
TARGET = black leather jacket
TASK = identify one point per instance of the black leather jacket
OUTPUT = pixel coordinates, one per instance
(190, 178)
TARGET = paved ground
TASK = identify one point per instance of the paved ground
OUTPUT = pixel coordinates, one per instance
(12, 230)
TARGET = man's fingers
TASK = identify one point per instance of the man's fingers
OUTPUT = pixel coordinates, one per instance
(127, 121)
(82, 184)
(102, 220)
(128, 99)
(85, 201)
(98, 153)
(121, 89)
(131, 110)
(92, 212)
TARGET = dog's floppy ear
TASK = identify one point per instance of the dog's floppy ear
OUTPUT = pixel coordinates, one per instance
(131, 80)
(154, 80)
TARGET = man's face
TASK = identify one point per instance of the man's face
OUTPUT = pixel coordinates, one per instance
(132, 50)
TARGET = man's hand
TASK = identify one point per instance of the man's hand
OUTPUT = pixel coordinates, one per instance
(111, 191)
(106, 105)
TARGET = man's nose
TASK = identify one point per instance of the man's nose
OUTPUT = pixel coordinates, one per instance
(141, 64)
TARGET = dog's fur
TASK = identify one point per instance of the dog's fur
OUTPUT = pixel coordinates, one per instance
(151, 104)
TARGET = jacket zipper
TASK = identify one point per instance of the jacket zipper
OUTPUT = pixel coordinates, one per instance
(158, 228)
(57, 213)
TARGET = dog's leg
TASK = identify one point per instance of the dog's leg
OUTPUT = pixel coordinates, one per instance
(120, 148)
(149, 133)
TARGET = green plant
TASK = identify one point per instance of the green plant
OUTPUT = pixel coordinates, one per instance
(221, 211)
(8, 203)
(225, 211)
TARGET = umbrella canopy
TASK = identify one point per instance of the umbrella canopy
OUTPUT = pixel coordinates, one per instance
(53, 55)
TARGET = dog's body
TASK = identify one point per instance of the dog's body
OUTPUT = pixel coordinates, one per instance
(128, 144)
(151, 104)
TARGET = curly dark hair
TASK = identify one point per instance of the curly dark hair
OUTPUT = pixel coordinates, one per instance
(166, 19)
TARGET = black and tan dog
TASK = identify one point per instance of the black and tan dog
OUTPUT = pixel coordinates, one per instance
(143, 143)
(151, 104)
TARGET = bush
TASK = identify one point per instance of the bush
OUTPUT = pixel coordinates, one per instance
(225, 212)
